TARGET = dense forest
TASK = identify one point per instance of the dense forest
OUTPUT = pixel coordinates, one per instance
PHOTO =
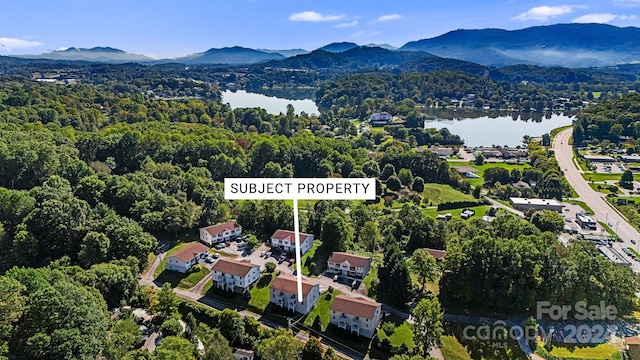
(610, 120)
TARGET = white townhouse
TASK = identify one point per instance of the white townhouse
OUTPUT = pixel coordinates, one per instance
(234, 275)
(242, 354)
(285, 240)
(356, 314)
(183, 259)
(284, 293)
(220, 232)
(349, 265)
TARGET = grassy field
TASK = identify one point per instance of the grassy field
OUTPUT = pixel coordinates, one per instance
(322, 309)
(598, 177)
(482, 168)
(260, 293)
(197, 273)
(163, 264)
(480, 212)
(600, 351)
(438, 193)
(453, 350)
(318, 255)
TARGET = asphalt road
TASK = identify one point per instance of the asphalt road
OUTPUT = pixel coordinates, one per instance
(603, 212)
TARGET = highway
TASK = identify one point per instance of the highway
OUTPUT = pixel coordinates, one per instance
(603, 211)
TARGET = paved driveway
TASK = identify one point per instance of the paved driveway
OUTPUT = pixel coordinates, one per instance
(603, 212)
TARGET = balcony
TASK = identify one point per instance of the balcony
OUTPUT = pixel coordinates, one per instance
(343, 322)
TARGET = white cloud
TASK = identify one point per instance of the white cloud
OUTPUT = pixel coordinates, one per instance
(602, 18)
(314, 17)
(363, 33)
(11, 44)
(544, 13)
(628, 3)
(389, 17)
(346, 24)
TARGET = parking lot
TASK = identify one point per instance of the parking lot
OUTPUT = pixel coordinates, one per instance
(609, 167)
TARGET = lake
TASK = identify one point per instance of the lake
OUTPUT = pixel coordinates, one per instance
(476, 128)
(500, 130)
(273, 105)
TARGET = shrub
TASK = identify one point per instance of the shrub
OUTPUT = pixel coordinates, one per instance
(270, 266)
(388, 327)
(171, 327)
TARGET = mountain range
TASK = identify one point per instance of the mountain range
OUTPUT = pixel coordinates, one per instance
(564, 45)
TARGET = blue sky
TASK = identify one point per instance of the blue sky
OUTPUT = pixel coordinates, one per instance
(171, 28)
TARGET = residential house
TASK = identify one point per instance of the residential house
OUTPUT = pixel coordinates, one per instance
(284, 294)
(521, 185)
(633, 347)
(466, 171)
(437, 254)
(234, 275)
(183, 259)
(349, 265)
(220, 232)
(285, 240)
(443, 153)
(356, 314)
(242, 354)
(380, 118)
(492, 154)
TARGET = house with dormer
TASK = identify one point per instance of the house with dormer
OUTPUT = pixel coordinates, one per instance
(234, 275)
(356, 314)
(284, 294)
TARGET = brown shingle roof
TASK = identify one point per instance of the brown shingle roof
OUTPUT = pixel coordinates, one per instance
(289, 284)
(355, 306)
(633, 340)
(351, 259)
(190, 251)
(438, 254)
(288, 235)
(233, 267)
(220, 228)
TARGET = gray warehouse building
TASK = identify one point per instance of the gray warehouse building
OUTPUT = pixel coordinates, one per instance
(524, 204)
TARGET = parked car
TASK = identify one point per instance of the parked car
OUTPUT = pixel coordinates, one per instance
(208, 260)
(633, 241)
(215, 256)
(335, 278)
(267, 254)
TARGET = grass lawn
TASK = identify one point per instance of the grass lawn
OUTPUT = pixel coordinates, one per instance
(597, 177)
(483, 167)
(260, 293)
(197, 273)
(401, 335)
(480, 212)
(455, 344)
(452, 349)
(318, 255)
(607, 228)
(583, 205)
(322, 309)
(429, 286)
(373, 274)
(163, 264)
(206, 288)
(439, 193)
(574, 351)
(603, 188)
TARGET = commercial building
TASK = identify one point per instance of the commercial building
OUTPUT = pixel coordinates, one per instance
(586, 221)
(524, 204)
